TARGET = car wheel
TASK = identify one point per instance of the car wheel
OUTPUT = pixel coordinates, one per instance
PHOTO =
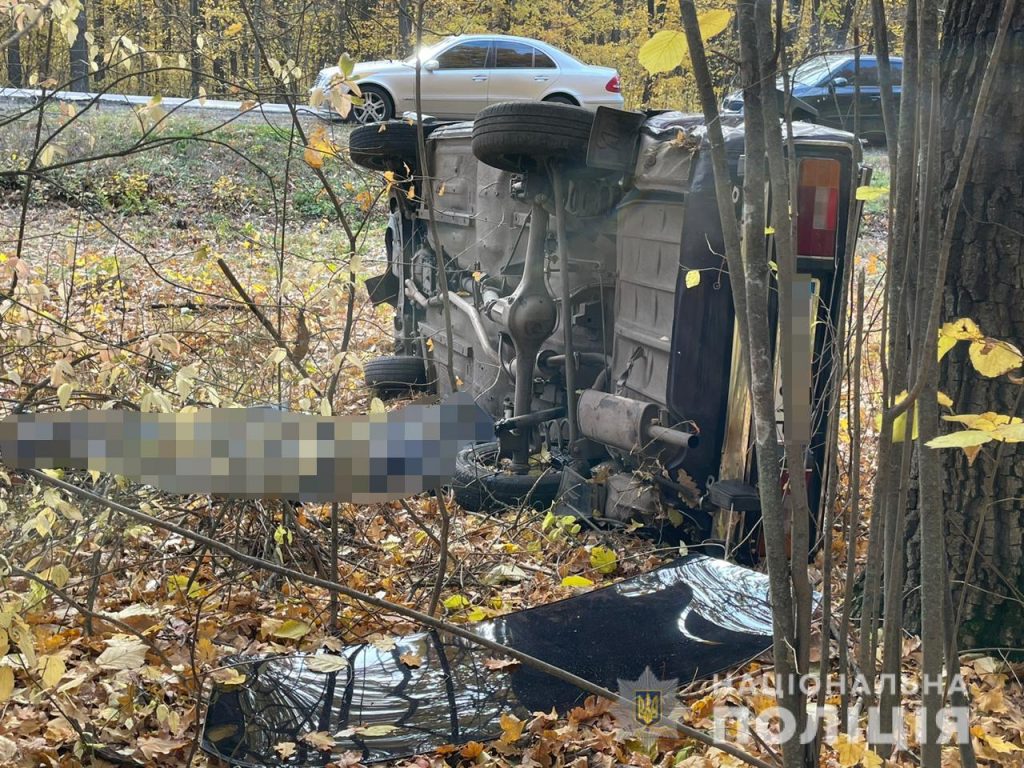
(520, 136)
(391, 148)
(392, 375)
(377, 106)
(480, 485)
(560, 98)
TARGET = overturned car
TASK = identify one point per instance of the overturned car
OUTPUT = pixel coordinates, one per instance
(579, 258)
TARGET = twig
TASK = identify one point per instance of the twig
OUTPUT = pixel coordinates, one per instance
(264, 321)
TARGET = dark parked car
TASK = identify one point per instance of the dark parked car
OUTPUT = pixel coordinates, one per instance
(825, 89)
(568, 243)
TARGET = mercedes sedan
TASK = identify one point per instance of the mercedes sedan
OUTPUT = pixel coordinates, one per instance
(462, 75)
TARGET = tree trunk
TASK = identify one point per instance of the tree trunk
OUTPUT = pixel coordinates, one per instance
(985, 282)
(79, 59)
(14, 72)
(197, 25)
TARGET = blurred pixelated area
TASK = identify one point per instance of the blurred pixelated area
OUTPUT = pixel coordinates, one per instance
(256, 452)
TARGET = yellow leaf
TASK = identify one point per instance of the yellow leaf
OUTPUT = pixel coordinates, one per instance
(326, 663)
(945, 400)
(714, 22)
(946, 343)
(992, 357)
(292, 629)
(51, 670)
(313, 158)
(603, 560)
(577, 581)
(64, 392)
(986, 422)
(456, 603)
(472, 750)
(962, 329)
(6, 683)
(965, 438)
(663, 52)
(692, 278)
(899, 426)
(411, 660)
(234, 29)
(511, 728)
(1009, 433)
(477, 275)
(996, 743)
(375, 730)
(769, 230)
(377, 406)
(869, 194)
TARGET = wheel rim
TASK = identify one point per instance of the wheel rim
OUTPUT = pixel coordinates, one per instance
(373, 110)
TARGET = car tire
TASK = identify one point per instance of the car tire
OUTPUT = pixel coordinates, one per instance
(378, 106)
(520, 136)
(391, 375)
(390, 149)
(479, 485)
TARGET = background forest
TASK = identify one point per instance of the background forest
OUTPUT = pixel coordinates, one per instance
(174, 47)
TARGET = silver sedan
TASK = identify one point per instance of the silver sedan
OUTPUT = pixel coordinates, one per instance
(462, 75)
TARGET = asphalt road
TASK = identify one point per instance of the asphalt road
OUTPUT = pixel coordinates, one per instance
(12, 99)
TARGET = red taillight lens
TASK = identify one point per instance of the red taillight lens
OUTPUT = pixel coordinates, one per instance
(818, 208)
(613, 85)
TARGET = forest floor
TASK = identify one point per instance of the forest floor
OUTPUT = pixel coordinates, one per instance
(110, 646)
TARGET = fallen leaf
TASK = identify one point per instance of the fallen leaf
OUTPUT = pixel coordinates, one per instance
(375, 730)
(577, 581)
(51, 670)
(292, 629)
(511, 728)
(320, 740)
(123, 652)
(285, 749)
(603, 560)
(410, 660)
(6, 683)
(472, 750)
(151, 746)
(326, 663)
(497, 664)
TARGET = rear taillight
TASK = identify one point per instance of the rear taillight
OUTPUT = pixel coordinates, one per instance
(818, 208)
(613, 85)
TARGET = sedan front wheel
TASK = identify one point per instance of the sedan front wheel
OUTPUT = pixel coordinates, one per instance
(376, 107)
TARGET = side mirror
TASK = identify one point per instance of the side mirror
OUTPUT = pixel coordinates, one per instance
(839, 82)
(431, 65)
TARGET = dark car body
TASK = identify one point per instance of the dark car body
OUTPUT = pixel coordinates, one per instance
(825, 90)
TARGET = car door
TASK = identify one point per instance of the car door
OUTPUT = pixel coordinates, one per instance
(515, 75)
(834, 99)
(457, 86)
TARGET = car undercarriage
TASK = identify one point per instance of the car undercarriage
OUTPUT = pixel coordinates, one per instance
(579, 260)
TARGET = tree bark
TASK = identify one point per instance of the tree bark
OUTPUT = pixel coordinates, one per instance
(14, 71)
(985, 282)
(79, 58)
